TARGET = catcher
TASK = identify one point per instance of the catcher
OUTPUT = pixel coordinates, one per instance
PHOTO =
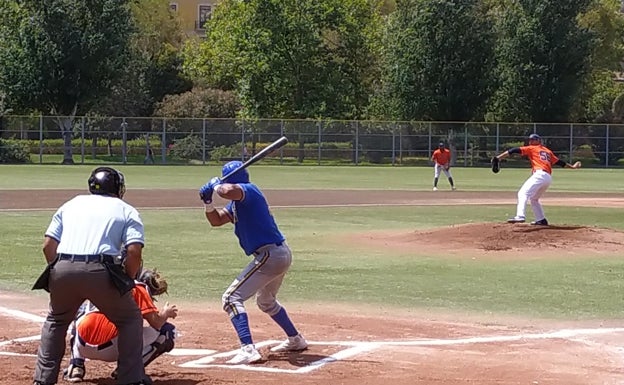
(95, 337)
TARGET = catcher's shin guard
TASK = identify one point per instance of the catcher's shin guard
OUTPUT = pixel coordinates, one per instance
(163, 344)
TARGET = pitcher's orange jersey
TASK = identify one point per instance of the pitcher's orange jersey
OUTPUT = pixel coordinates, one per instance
(441, 156)
(541, 157)
(96, 329)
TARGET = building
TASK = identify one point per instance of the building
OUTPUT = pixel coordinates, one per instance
(193, 14)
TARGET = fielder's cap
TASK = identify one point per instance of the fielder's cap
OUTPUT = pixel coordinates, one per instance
(535, 137)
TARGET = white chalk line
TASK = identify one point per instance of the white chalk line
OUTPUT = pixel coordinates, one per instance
(352, 348)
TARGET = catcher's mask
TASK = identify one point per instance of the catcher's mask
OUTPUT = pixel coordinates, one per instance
(241, 176)
(107, 181)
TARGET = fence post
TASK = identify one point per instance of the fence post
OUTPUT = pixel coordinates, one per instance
(571, 140)
(204, 141)
(357, 143)
(163, 141)
(281, 134)
(82, 140)
(430, 149)
(466, 145)
(497, 137)
(607, 147)
(401, 146)
(243, 144)
(393, 145)
(124, 145)
(40, 139)
(318, 125)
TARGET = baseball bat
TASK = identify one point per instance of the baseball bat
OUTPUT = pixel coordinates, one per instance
(259, 156)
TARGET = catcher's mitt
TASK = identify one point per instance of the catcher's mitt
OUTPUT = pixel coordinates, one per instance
(495, 165)
(156, 284)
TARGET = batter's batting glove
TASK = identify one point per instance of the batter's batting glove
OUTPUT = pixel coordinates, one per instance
(206, 191)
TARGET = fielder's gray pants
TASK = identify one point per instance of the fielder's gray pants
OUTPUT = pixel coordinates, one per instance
(70, 284)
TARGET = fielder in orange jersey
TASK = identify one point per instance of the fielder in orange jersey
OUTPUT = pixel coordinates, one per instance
(441, 159)
(542, 159)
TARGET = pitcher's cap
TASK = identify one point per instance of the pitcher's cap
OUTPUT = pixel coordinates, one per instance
(535, 137)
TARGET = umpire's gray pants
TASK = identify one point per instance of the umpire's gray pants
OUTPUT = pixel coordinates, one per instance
(70, 284)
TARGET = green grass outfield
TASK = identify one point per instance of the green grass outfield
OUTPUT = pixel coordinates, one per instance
(200, 261)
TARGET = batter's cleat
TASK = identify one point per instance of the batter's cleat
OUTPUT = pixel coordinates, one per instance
(541, 222)
(516, 220)
(435, 189)
(247, 355)
(292, 344)
(74, 373)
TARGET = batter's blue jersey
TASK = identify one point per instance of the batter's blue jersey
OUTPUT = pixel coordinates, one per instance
(254, 224)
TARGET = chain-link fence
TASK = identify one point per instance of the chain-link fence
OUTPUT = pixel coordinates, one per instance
(46, 139)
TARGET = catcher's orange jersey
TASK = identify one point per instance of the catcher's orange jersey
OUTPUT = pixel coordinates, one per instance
(541, 157)
(95, 328)
(441, 156)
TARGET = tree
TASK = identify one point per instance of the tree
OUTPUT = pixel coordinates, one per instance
(60, 56)
(599, 89)
(438, 61)
(543, 56)
(292, 58)
(154, 65)
(199, 103)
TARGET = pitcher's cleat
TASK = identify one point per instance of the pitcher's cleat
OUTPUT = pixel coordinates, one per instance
(541, 222)
(516, 220)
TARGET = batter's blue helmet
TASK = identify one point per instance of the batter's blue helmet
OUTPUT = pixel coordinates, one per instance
(241, 176)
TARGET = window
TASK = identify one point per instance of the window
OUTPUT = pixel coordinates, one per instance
(205, 11)
(173, 7)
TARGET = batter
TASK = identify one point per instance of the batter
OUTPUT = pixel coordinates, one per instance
(258, 236)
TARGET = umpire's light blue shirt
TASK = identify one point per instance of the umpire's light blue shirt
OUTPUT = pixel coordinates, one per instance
(95, 224)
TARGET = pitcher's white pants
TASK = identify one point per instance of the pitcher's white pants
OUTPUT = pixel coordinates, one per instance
(532, 190)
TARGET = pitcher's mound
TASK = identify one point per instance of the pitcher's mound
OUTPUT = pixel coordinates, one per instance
(500, 239)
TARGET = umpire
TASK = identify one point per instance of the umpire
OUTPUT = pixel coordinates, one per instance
(80, 245)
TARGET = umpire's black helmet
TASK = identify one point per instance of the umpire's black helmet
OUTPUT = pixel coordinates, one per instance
(107, 181)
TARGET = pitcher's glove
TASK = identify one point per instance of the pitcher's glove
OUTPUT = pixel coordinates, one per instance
(495, 165)
(156, 284)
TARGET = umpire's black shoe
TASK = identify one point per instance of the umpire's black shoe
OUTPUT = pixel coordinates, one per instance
(542, 222)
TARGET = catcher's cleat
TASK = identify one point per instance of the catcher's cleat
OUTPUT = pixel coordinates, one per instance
(541, 222)
(74, 373)
(516, 220)
(247, 355)
(292, 344)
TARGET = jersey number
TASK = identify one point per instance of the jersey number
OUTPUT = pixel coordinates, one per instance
(545, 156)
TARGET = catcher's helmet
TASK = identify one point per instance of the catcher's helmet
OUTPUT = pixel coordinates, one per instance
(241, 176)
(107, 181)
